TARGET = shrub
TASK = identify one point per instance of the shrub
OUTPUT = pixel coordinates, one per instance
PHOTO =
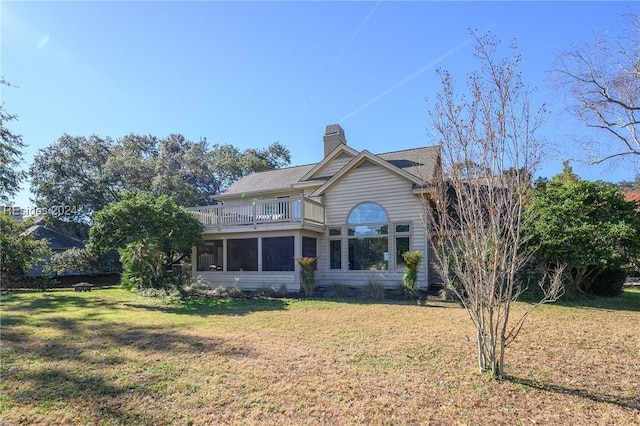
(235, 292)
(340, 290)
(283, 290)
(410, 277)
(75, 259)
(448, 295)
(143, 268)
(219, 292)
(45, 282)
(307, 274)
(268, 292)
(609, 282)
(374, 290)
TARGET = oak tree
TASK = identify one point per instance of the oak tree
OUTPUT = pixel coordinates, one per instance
(86, 174)
(11, 145)
(147, 230)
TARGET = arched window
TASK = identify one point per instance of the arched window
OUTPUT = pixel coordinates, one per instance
(368, 228)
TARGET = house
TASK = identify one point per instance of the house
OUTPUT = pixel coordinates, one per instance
(356, 212)
(633, 196)
(56, 241)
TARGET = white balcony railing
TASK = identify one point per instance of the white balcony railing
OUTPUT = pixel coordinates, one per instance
(257, 212)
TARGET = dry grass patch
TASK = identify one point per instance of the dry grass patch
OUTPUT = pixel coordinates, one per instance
(111, 357)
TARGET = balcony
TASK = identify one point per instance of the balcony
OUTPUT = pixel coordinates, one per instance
(256, 213)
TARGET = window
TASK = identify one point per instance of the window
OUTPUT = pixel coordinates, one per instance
(335, 231)
(210, 256)
(368, 254)
(335, 248)
(367, 235)
(242, 254)
(335, 254)
(309, 249)
(403, 243)
(277, 254)
(405, 227)
(402, 246)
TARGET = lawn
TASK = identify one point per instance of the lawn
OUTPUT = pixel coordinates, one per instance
(113, 357)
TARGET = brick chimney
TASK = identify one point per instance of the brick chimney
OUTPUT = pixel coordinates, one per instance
(333, 138)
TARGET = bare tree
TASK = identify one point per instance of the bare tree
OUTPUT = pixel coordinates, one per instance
(475, 210)
(603, 79)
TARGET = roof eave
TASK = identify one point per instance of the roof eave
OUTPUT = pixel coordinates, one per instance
(359, 159)
(224, 196)
(333, 154)
(308, 184)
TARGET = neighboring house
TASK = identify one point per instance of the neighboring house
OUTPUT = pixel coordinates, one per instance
(15, 212)
(633, 196)
(56, 241)
(356, 212)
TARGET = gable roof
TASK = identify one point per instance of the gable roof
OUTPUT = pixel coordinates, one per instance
(340, 150)
(360, 159)
(56, 240)
(417, 165)
(271, 180)
(423, 162)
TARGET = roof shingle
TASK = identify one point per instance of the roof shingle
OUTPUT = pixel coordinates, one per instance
(420, 162)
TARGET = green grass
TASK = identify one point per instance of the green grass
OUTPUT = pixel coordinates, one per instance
(111, 357)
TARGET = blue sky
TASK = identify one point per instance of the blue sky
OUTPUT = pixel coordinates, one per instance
(253, 73)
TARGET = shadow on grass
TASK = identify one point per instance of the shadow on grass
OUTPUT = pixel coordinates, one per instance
(75, 392)
(202, 306)
(631, 402)
(55, 301)
(435, 304)
(629, 300)
(359, 296)
(91, 342)
(78, 364)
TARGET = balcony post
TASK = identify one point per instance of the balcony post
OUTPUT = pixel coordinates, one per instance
(255, 214)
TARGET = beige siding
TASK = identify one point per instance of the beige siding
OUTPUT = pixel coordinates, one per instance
(248, 280)
(372, 183)
(333, 167)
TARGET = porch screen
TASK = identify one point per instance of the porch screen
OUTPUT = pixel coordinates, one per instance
(210, 256)
(277, 254)
(242, 254)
